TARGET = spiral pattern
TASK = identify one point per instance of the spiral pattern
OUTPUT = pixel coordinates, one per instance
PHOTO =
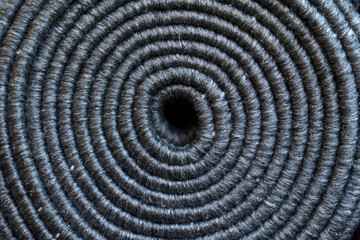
(179, 119)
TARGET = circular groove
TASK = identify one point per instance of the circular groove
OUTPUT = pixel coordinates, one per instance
(179, 119)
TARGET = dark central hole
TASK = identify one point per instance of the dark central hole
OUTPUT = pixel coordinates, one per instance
(180, 114)
(182, 118)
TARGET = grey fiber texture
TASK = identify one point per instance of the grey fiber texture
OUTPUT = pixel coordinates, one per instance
(179, 119)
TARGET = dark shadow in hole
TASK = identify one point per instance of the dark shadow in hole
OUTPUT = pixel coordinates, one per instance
(182, 119)
(180, 114)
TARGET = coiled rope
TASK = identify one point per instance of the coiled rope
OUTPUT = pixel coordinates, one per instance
(179, 119)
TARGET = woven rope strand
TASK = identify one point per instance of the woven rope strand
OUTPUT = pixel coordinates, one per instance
(179, 119)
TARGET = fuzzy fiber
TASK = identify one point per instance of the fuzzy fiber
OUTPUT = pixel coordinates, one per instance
(179, 119)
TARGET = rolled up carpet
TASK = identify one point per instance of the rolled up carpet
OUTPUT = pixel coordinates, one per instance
(179, 119)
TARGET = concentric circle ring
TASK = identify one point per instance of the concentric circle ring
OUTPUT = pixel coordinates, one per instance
(179, 119)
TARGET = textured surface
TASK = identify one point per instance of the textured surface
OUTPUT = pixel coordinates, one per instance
(179, 119)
